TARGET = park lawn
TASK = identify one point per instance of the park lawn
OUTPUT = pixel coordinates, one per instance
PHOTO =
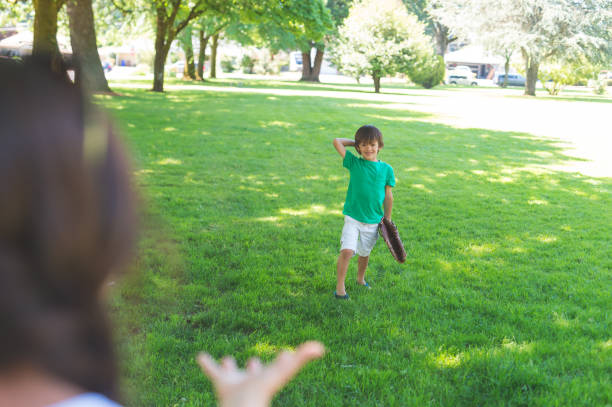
(504, 299)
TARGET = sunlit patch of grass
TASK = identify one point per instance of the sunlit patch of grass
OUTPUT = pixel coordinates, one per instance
(445, 360)
(480, 249)
(312, 210)
(537, 202)
(169, 161)
(546, 238)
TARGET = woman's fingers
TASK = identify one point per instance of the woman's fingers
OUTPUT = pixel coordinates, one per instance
(271, 377)
(254, 366)
(209, 366)
(228, 363)
(287, 364)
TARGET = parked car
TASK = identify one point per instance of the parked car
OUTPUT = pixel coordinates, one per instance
(606, 76)
(462, 79)
(462, 68)
(513, 80)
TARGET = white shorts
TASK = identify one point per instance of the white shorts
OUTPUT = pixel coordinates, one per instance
(358, 237)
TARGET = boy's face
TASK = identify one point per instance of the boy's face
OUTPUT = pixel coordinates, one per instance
(369, 150)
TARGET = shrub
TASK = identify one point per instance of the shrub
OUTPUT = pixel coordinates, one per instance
(600, 87)
(428, 72)
(227, 65)
(268, 63)
(555, 76)
(247, 63)
(378, 39)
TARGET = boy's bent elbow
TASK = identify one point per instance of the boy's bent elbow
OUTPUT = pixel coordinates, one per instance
(337, 143)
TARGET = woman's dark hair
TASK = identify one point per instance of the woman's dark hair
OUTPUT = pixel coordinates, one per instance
(66, 221)
(367, 134)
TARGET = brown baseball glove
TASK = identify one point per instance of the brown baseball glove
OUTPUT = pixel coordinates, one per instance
(390, 235)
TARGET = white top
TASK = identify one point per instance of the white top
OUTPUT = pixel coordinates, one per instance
(87, 400)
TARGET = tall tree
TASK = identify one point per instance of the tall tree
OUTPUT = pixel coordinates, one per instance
(186, 40)
(292, 24)
(312, 20)
(544, 29)
(45, 33)
(203, 41)
(380, 38)
(338, 10)
(425, 11)
(209, 24)
(213, 55)
(88, 73)
(172, 17)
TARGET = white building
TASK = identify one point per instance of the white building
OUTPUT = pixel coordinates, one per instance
(484, 65)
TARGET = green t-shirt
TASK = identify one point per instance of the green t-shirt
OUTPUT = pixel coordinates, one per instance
(366, 191)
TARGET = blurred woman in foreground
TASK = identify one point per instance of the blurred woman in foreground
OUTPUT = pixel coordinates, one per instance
(67, 220)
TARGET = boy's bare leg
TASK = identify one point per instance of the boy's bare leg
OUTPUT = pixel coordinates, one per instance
(342, 267)
(362, 265)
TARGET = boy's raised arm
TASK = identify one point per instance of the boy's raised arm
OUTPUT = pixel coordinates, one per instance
(341, 143)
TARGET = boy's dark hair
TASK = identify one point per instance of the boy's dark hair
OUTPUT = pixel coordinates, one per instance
(66, 220)
(367, 134)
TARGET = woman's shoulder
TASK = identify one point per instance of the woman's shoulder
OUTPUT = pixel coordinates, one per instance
(87, 400)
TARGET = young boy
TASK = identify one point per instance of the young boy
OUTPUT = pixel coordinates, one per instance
(369, 191)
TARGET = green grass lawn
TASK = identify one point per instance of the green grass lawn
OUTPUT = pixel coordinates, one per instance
(505, 298)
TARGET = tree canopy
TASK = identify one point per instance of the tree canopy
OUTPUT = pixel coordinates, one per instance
(379, 38)
(540, 29)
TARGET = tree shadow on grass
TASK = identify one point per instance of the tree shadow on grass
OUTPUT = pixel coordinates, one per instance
(501, 250)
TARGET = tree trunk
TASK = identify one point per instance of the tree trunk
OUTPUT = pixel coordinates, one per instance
(165, 32)
(316, 69)
(531, 68)
(189, 64)
(441, 34)
(306, 67)
(45, 34)
(187, 45)
(507, 68)
(159, 61)
(213, 56)
(441, 42)
(202, 55)
(88, 67)
(376, 83)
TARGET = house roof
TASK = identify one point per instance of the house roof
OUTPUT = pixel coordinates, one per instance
(472, 54)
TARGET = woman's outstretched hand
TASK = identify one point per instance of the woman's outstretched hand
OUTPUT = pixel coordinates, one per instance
(257, 384)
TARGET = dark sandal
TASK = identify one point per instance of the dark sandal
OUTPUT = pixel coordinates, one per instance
(341, 297)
